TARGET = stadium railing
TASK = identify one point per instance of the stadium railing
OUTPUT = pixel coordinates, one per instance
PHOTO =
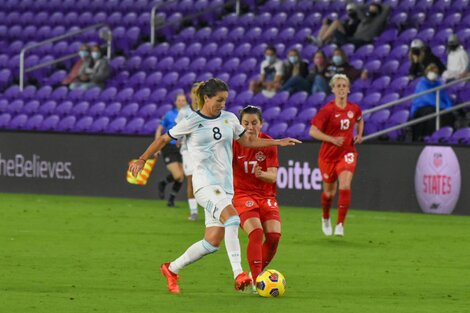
(436, 115)
(157, 23)
(105, 33)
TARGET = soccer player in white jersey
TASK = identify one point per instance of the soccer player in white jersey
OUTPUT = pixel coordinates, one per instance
(210, 133)
(188, 164)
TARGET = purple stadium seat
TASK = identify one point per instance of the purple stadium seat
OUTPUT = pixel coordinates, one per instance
(426, 34)
(201, 63)
(407, 36)
(263, 19)
(83, 124)
(279, 99)
(258, 50)
(371, 100)
(278, 130)
(34, 122)
(59, 94)
(161, 111)
(236, 35)
(226, 50)
(44, 93)
(231, 65)
(117, 125)
(158, 95)
(18, 122)
(356, 97)
(129, 110)
(4, 119)
(399, 83)
(373, 66)
(288, 114)
(80, 108)
(64, 108)
(364, 51)
(12, 93)
(244, 98)
(296, 130)
(397, 118)
(306, 115)
(461, 136)
(142, 95)
(442, 35)
(99, 125)
(150, 126)
(194, 49)
(298, 99)
(124, 95)
(270, 34)
(316, 100)
(30, 107)
(66, 124)
(153, 80)
(271, 113)
(161, 50)
(187, 80)
(380, 83)
(149, 64)
(253, 34)
(237, 81)
(170, 79)
(439, 136)
(147, 110)
(50, 122)
(113, 109)
(286, 35)
(97, 109)
(390, 67)
(91, 94)
(279, 20)
(134, 126)
(249, 66)
(15, 106)
(243, 50)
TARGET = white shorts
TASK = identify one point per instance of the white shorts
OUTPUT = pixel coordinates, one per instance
(213, 199)
(188, 166)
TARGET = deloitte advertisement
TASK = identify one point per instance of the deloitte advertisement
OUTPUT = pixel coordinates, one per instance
(389, 177)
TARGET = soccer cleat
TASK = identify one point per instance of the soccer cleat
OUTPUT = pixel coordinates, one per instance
(339, 230)
(161, 189)
(171, 278)
(326, 226)
(193, 217)
(253, 284)
(242, 281)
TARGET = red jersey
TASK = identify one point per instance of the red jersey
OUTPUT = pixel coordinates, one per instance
(244, 162)
(336, 122)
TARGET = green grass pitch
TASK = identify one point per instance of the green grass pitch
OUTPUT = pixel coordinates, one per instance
(76, 254)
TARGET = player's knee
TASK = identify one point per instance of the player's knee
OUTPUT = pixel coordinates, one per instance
(329, 194)
(233, 220)
(273, 238)
(209, 247)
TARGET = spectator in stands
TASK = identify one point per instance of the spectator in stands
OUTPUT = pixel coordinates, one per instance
(295, 73)
(373, 21)
(94, 72)
(457, 60)
(84, 54)
(271, 72)
(420, 57)
(426, 104)
(330, 28)
(339, 65)
(316, 76)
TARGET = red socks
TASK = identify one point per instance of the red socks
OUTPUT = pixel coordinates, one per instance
(254, 252)
(343, 204)
(270, 247)
(326, 205)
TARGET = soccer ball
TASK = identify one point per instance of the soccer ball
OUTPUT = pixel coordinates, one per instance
(270, 284)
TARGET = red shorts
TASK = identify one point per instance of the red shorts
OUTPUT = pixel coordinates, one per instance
(264, 208)
(331, 170)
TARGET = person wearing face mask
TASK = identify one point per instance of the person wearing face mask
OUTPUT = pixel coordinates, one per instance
(295, 73)
(373, 19)
(426, 104)
(339, 65)
(84, 54)
(93, 72)
(316, 76)
(271, 71)
(328, 29)
(420, 57)
(457, 60)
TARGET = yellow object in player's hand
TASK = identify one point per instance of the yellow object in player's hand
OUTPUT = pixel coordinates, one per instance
(143, 176)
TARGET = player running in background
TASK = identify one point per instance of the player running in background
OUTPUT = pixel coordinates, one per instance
(171, 153)
(210, 133)
(254, 174)
(334, 125)
(188, 166)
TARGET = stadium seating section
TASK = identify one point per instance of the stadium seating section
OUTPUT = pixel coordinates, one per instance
(146, 78)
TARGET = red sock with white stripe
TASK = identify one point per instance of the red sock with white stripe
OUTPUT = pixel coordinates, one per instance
(343, 204)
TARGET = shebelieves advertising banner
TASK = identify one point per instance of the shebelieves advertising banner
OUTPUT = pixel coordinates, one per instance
(96, 166)
(437, 180)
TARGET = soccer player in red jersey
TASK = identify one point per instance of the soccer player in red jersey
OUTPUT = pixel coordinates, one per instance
(334, 125)
(255, 173)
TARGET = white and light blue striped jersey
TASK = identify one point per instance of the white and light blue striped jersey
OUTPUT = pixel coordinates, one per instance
(210, 146)
(183, 113)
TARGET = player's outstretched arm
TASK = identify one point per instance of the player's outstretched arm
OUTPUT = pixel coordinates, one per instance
(319, 135)
(257, 142)
(154, 147)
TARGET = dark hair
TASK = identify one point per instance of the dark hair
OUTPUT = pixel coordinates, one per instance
(251, 109)
(271, 48)
(209, 88)
(378, 6)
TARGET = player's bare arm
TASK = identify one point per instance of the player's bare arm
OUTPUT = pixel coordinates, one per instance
(256, 142)
(154, 147)
(319, 135)
(360, 130)
(268, 176)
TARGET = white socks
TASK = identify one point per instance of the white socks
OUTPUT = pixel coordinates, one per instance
(232, 244)
(192, 206)
(192, 254)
